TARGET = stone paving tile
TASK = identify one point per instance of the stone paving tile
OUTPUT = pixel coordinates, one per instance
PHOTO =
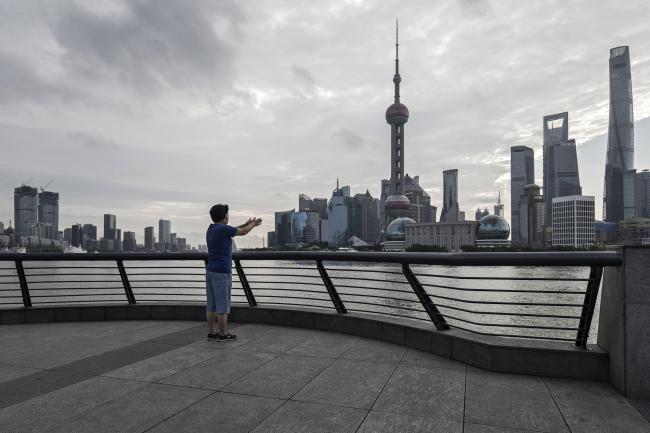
(135, 412)
(157, 329)
(11, 372)
(182, 337)
(163, 365)
(348, 383)
(226, 367)
(302, 417)
(245, 335)
(384, 422)
(30, 386)
(277, 341)
(595, 407)
(514, 401)
(47, 409)
(326, 344)
(280, 378)
(365, 349)
(425, 359)
(479, 428)
(415, 390)
(222, 413)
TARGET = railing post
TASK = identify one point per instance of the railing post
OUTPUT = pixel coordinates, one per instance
(591, 294)
(24, 290)
(431, 309)
(334, 295)
(244, 283)
(125, 282)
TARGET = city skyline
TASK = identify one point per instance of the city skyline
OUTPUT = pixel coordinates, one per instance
(134, 162)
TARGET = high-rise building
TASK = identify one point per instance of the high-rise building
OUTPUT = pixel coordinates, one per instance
(149, 239)
(396, 204)
(110, 226)
(2, 228)
(270, 239)
(90, 231)
(306, 227)
(25, 210)
(173, 241)
(420, 201)
(48, 211)
(450, 210)
(284, 228)
(305, 203)
(363, 213)
(129, 244)
(338, 216)
(320, 205)
(531, 217)
(561, 177)
(77, 235)
(67, 235)
(522, 173)
(498, 208)
(164, 230)
(629, 194)
(620, 140)
(573, 221)
(643, 193)
(480, 214)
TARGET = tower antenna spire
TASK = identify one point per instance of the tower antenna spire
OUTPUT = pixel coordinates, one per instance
(397, 78)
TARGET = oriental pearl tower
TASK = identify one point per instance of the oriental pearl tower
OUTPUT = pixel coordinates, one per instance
(396, 204)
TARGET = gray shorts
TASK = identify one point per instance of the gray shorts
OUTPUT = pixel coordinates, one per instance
(217, 289)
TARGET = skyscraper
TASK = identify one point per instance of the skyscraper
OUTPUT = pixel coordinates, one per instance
(620, 140)
(129, 244)
(573, 221)
(498, 208)
(164, 230)
(522, 173)
(48, 212)
(305, 203)
(397, 204)
(643, 194)
(110, 227)
(338, 216)
(25, 209)
(450, 210)
(561, 176)
(531, 217)
(149, 238)
(77, 235)
(363, 217)
(420, 201)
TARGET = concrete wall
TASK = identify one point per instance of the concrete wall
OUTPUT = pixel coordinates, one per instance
(624, 326)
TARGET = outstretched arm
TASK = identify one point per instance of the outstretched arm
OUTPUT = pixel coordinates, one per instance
(250, 220)
(254, 222)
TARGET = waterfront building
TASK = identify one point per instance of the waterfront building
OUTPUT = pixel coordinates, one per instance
(395, 235)
(492, 231)
(25, 209)
(67, 235)
(620, 139)
(531, 217)
(338, 216)
(419, 199)
(320, 205)
(396, 204)
(561, 176)
(480, 213)
(149, 238)
(270, 239)
(181, 244)
(2, 228)
(629, 194)
(605, 232)
(450, 209)
(643, 193)
(305, 203)
(77, 235)
(284, 227)
(363, 216)
(110, 226)
(129, 243)
(48, 212)
(433, 211)
(522, 173)
(164, 231)
(452, 236)
(573, 221)
(634, 231)
(90, 232)
(305, 227)
(106, 245)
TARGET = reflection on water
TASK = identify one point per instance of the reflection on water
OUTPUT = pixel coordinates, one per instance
(504, 303)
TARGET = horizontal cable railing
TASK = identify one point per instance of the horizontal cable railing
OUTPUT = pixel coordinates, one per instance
(549, 296)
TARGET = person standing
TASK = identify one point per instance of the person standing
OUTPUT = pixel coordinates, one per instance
(218, 272)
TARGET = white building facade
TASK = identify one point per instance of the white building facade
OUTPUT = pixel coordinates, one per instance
(573, 221)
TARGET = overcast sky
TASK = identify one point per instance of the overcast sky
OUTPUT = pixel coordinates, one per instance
(158, 109)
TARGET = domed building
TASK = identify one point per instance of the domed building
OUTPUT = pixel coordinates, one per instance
(395, 235)
(492, 231)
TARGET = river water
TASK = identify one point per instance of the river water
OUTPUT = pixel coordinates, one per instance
(384, 291)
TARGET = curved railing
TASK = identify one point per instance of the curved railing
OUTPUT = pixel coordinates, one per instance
(549, 296)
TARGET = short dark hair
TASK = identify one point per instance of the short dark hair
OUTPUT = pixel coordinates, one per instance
(218, 212)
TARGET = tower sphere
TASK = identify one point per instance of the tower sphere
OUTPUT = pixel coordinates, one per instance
(397, 114)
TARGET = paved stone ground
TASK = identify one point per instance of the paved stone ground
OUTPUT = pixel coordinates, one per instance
(164, 377)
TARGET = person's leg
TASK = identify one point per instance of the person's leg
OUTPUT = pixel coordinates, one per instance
(221, 301)
(222, 321)
(211, 306)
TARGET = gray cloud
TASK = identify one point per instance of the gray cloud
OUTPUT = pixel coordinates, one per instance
(93, 140)
(303, 74)
(350, 139)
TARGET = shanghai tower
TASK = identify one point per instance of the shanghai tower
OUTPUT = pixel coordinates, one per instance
(397, 204)
(620, 140)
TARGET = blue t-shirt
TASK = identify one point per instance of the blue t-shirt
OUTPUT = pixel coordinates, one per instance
(219, 239)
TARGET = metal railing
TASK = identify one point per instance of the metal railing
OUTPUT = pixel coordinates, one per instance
(433, 287)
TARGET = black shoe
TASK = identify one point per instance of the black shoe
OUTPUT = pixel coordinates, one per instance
(212, 337)
(227, 337)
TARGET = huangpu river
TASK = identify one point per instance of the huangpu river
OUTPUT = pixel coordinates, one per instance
(384, 290)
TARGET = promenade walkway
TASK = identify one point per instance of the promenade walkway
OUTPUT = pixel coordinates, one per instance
(162, 376)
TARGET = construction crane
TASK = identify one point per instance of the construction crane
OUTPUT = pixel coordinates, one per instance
(25, 182)
(48, 184)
